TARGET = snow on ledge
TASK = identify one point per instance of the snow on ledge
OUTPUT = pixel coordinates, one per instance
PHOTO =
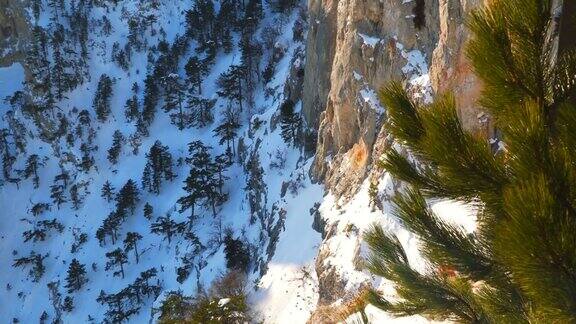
(370, 40)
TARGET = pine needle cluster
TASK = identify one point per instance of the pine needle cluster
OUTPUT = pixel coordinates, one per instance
(519, 266)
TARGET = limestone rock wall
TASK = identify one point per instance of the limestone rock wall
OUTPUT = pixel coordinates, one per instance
(14, 30)
(354, 48)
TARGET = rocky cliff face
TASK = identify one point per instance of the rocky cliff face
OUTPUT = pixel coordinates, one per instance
(354, 48)
(14, 30)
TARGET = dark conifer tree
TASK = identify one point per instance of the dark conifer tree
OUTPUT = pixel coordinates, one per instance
(116, 258)
(131, 243)
(158, 167)
(227, 130)
(231, 83)
(200, 20)
(193, 186)
(57, 193)
(237, 253)
(131, 111)
(31, 169)
(116, 148)
(200, 110)
(68, 304)
(167, 226)
(195, 71)
(151, 96)
(148, 211)
(256, 190)
(76, 276)
(291, 122)
(127, 197)
(174, 96)
(75, 197)
(107, 191)
(518, 265)
(101, 103)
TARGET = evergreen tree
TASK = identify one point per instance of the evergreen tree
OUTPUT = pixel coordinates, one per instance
(116, 148)
(116, 258)
(291, 122)
(174, 100)
(57, 193)
(167, 226)
(193, 186)
(37, 262)
(75, 197)
(127, 197)
(68, 304)
(107, 191)
(256, 190)
(148, 211)
(282, 6)
(151, 96)
(158, 167)
(200, 20)
(31, 169)
(101, 103)
(519, 264)
(250, 60)
(227, 130)
(237, 253)
(76, 276)
(231, 83)
(200, 110)
(195, 71)
(131, 111)
(131, 243)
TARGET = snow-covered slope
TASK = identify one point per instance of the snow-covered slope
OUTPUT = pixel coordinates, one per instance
(285, 169)
(271, 202)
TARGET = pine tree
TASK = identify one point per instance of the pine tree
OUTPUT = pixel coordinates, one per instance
(76, 276)
(174, 96)
(75, 197)
(231, 83)
(194, 193)
(200, 110)
(158, 167)
(57, 193)
(227, 130)
(116, 258)
(31, 169)
(131, 243)
(167, 226)
(148, 211)
(107, 191)
(519, 265)
(291, 122)
(256, 190)
(131, 111)
(237, 253)
(116, 148)
(101, 103)
(200, 19)
(37, 262)
(151, 96)
(127, 197)
(68, 304)
(195, 71)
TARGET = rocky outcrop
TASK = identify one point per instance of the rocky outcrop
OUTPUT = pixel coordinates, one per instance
(370, 41)
(14, 30)
(354, 48)
(450, 69)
